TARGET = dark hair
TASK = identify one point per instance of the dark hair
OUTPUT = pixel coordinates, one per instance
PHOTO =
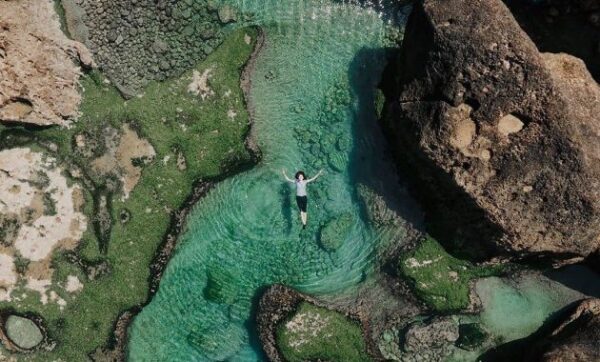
(300, 173)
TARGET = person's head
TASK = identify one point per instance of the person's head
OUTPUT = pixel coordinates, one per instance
(300, 175)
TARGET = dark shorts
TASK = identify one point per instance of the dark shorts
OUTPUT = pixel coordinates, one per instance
(302, 201)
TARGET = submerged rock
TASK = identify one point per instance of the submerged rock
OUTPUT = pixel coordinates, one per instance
(434, 334)
(336, 231)
(23, 332)
(505, 139)
(227, 14)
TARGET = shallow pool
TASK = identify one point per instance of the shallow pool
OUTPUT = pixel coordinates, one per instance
(313, 96)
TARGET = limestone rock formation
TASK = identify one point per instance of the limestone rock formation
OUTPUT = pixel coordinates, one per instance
(137, 41)
(578, 337)
(431, 340)
(40, 212)
(569, 26)
(38, 65)
(506, 140)
(275, 305)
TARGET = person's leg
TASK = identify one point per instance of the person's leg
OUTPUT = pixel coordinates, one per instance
(302, 204)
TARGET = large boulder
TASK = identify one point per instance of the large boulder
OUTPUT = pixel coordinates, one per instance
(39, 65)
(506, 140)
(578, 337)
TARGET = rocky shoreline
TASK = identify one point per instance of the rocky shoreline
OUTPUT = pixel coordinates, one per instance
(115, 349)
(279, 301)
(141, 41)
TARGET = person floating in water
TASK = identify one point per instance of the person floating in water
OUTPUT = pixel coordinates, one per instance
(301, 197)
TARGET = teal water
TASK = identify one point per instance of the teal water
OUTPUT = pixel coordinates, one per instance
(313, 98)
(513, 309)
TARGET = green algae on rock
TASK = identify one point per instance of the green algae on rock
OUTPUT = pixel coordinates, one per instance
(440, 279)
(315, 333)
(176, 124)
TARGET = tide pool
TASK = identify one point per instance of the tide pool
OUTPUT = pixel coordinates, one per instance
(313, 98)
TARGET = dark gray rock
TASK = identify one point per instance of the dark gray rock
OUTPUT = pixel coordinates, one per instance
(437, 333)
(116, 31)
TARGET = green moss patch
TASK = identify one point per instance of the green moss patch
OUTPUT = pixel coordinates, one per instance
(315, 333)
(194, 138)
(438, 278)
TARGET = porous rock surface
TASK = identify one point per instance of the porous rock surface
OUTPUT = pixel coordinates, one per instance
(40, 212)
(430, 340)
(276, 304)
(137, 41)
(578, 337)
(505, 140)
(39, 65)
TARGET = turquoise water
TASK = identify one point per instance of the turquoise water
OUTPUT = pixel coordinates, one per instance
(313, 97)
(513, 309)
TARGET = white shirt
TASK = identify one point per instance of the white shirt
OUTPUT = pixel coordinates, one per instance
(300, 187)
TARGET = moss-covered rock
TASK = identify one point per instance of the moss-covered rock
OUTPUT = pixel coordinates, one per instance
(440, 279)
(315, 333)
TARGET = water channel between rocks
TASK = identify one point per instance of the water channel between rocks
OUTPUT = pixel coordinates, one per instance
(313, 92)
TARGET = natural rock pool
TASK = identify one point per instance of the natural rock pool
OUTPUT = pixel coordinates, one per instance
(313, 98)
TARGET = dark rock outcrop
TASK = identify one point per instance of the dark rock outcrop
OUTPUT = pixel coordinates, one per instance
(506, 140)
(275, 306)
(279, 302)
(578, 337)
(569, 26)
(138, 41)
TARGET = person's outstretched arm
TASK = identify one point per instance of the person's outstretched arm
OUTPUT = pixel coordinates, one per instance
(316, 176)
(286, 176)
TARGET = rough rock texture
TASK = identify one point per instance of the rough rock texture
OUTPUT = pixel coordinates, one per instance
(40, 211)
(137, 41)
(278, 302)
(432, 340)
(126, 154)
(578, 337)
(275, 305)
(23, 332)
(38, 65)
(506, 140)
